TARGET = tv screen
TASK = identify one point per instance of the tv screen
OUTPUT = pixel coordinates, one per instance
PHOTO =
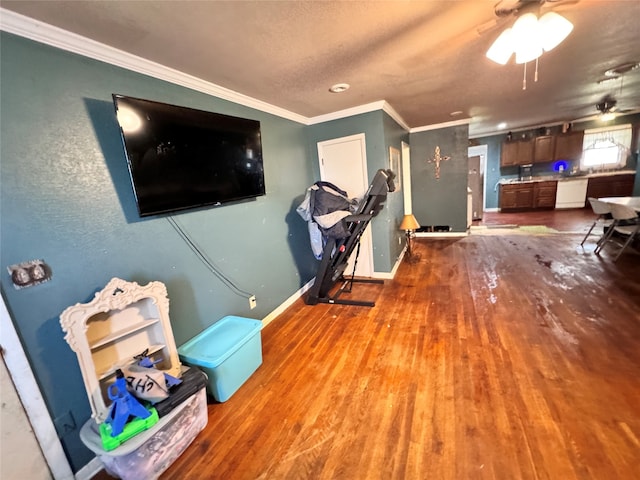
(181, 158)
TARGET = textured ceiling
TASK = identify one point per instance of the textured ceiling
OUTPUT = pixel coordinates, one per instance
(425, 58)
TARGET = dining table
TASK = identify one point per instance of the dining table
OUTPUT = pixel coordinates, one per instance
(633, 202)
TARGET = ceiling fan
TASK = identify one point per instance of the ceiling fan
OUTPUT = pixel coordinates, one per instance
(537, 28)
(506, 10)
(607, 108)
(607, 105)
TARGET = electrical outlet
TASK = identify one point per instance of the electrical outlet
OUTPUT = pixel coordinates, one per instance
(252, 302)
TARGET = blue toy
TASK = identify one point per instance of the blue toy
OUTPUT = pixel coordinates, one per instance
(145, 361)
(124, 405)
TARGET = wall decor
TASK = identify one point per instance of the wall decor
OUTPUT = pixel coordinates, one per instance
(28, 274)
(437, 158)
(395, 164)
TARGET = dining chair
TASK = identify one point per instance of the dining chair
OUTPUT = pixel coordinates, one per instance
(625, 222)
(603, 212)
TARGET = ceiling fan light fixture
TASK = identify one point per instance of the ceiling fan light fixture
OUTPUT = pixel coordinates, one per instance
(526, 38)
(607, 116)
(553, 29)
(529, 37)
(501, 50)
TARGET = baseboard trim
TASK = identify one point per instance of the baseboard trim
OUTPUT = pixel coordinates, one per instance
(287, 303)
(90, 470)
(441, 234)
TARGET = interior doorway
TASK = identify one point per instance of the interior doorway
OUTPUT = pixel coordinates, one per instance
(477, 180)
(343, 162)
(474, 182)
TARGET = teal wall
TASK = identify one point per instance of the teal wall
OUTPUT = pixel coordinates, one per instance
(381, 132)
(494, 145)
(440, 201)
(66, 198)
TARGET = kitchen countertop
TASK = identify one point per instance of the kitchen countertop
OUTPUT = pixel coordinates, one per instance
(563, 178)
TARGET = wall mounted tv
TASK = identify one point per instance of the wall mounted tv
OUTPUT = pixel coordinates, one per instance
(181, 158)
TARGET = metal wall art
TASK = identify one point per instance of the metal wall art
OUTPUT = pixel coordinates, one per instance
(437, 158)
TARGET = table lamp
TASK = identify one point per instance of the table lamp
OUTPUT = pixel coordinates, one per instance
(409, 224)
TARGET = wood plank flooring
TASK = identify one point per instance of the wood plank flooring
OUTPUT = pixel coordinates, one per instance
(492, 357)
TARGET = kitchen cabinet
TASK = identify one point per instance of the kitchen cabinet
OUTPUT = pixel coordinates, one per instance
(518, 152)
(516, 196)
(568, 146)
(528, 195)
(543, 148)
(544, 194)
(611, 186)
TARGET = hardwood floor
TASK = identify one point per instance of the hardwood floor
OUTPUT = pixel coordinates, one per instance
(569, 220)
(492, 357)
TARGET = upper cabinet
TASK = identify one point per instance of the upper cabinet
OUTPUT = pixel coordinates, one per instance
(541, 149)
(569, 145)
(518, 152)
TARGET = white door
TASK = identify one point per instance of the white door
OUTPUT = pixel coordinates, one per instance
(343, 162)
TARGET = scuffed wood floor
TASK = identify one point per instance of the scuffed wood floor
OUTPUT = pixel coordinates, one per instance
(510, 357)
(493, 357)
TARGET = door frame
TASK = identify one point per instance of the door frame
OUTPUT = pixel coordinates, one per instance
(482, 151)
(31, 398)
(405, 159)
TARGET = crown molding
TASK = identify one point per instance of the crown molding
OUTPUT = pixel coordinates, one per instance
(41, 32)
(360, 109)
(56, 37)
(437, 126)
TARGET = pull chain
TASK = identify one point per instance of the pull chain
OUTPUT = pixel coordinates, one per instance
(524, 80)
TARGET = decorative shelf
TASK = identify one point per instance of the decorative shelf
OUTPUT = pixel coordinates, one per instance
(122, 333)
(122, 321)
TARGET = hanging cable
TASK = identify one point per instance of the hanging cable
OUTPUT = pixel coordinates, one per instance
(208, 263)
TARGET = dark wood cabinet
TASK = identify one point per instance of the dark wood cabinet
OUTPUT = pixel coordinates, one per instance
(569, 145)
(516, 196)
(519, 152)
(543, 149)
(611, 186)
(544, 194)
(528, 195)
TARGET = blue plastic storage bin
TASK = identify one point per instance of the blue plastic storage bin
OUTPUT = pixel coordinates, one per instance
(229, 351)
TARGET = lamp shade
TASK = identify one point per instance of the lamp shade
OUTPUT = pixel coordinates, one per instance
(553, 30)
(501, 50)
(526, 38)
(409, 222)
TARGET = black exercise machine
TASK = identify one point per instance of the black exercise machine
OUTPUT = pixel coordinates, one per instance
(337, 251)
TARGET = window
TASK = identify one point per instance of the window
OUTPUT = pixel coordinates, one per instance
(606, 147)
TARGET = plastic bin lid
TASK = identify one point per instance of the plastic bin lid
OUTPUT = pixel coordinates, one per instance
(214, 345)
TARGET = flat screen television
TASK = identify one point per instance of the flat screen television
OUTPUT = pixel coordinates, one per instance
(180, 158)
